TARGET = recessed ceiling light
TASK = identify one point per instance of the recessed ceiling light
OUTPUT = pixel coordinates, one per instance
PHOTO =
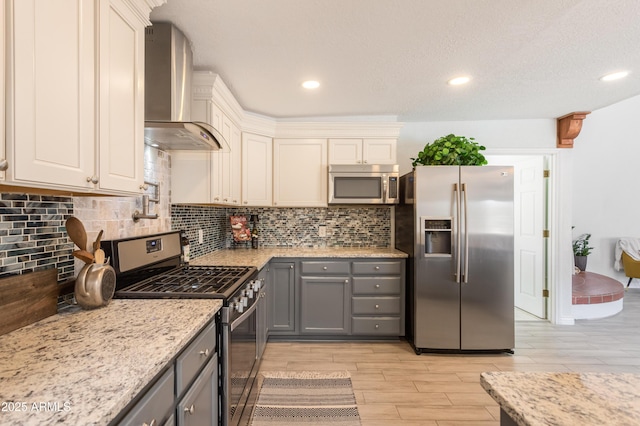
(458, 81)
(311, 84)
(614, 76)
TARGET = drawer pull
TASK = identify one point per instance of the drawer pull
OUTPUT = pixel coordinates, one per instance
(324, 267)
(377, 268)
(153, 422)
(205, 352)
(377, 326)
(377, 306)
(189, 409)
(377, 285)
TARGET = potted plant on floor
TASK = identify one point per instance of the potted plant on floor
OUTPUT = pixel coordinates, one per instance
(581, 250)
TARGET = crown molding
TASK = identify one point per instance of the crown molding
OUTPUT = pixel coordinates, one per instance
(142, 8)
(339, 129)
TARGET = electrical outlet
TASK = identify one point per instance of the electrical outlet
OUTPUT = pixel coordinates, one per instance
(322, 231)
(200, 236)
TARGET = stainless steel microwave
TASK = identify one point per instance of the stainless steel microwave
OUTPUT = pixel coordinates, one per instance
(363, 184)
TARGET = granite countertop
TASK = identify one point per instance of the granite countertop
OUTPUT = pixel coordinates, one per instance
(260, 257)
(84, 367)
(532, 398)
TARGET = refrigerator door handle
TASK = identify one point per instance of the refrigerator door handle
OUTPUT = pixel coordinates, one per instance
(465, 273)
(456, 197)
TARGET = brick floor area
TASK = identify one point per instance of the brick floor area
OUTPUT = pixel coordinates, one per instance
(590, 288)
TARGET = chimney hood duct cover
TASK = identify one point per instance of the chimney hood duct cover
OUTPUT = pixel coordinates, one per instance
(168, 69)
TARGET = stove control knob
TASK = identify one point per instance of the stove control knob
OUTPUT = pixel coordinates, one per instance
(247, 292)
(256, 285)
(244, 301)
(238, 306)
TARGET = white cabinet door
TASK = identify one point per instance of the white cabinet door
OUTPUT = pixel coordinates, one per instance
(362, 151)
(121, 72)
(379, 151)
(52, 81)
(256, 170)
(225, 161)
(236, 165)
(300, 173)
(345, 151)
(3, 156)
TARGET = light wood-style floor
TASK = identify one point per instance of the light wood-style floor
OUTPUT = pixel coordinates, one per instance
(393, 386)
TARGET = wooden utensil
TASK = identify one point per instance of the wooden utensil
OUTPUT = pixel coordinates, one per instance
(76, 232)
(83, 255)
(96, 243)
(99, 256)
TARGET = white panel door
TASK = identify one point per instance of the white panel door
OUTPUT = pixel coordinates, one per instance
(345, 151)
(379, 151)
(257, 170)
(52, 133)
(225, 161)
(236, 165)
(300, 173)
(121, 98)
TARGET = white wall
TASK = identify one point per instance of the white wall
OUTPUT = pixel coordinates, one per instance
(605, 196)
(493, 134)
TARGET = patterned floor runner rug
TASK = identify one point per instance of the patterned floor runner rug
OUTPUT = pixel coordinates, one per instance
(306, 398)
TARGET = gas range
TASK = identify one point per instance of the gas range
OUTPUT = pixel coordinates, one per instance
(150, 267)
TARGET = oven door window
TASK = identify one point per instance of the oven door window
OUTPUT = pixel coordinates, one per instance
(357, 187)
(242, 360)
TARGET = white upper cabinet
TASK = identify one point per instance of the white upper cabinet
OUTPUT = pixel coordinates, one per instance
(300, 173)
(121, 74)
(362, 151)
(257, 170)
(75, 90)
(53, 92)
(3, 156)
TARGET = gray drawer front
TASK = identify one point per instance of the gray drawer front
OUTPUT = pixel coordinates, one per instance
(194, 357)
(375, 268)
(322, 267)
(155, 404)
(376, 285)
(376, 326)
(376, 306)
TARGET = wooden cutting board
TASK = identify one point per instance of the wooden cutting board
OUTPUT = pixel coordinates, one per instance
(27, 298)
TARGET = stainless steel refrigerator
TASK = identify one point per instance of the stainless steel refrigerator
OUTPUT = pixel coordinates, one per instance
(456, 224)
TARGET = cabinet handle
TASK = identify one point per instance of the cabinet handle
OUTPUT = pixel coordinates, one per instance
(153, 422)
(377, 285)
(4, 165)
(377, 306)
(346, 281)
(290, 266)
(365, 161)
(189, 409)
(246, 202)
(324, 267)
(377, 268)
(377, 326)
(93, 179)
(216, 199)
(225, 200)
(235, 201)
(205, 352)
(144, 187)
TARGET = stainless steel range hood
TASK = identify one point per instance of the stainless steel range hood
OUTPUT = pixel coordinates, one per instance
(168, 69)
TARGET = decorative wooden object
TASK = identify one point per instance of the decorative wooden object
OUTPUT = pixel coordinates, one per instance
(569, 127)
(27, 298)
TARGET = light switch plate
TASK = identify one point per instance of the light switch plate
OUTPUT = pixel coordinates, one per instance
(322, 231)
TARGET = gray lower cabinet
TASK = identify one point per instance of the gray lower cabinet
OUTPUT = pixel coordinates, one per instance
(324, 305)
(186, 393)
(261, 313)
(378, 297)
(199, 406)
(281, 298)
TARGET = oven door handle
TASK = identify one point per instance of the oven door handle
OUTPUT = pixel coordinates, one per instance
(244, 315)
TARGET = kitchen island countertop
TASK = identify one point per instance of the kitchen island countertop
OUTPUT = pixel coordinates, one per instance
(260, 257)
(84, 367)
(537, 399)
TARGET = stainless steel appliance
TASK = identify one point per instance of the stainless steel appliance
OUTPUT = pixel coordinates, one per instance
(363, 184)
(168, 69)
(150, 267)
(456, 224)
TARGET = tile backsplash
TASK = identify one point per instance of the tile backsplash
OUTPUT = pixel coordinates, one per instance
(286, 227)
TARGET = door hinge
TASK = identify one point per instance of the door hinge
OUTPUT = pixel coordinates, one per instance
(545, 293)
(545, 233)
(546, 173)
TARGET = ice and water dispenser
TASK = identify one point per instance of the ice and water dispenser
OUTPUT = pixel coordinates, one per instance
(437, 236)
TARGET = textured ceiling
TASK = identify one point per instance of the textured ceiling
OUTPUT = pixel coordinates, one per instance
(527, 59)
